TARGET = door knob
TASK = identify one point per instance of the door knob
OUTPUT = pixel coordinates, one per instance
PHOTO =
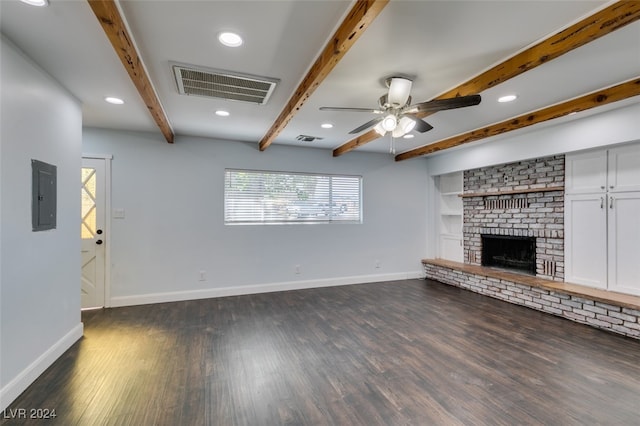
(99, 242)
(99, 231)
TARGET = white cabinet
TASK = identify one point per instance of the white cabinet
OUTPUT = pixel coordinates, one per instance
(449, 216)
(602, 219)
(586, 240)
(586, 172)
(624, 169)
(624, 240)
(613, 170)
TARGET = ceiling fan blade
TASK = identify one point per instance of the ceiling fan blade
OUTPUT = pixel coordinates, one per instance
(366, 125)
(421, 125)
(399, 89)
(443, 104)
(347, 109)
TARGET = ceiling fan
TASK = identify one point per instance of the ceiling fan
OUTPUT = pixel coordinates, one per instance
(398, 116)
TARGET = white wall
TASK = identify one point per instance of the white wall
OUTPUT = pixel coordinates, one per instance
(174, 225)
(614, 126)
(39, 271)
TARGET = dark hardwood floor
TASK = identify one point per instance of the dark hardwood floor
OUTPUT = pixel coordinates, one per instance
(398, 353)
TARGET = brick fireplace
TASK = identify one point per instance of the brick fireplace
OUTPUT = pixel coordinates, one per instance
(524, 202)
(517, 200)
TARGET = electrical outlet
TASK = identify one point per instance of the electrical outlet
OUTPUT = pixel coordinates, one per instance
(203, 276)
(296, 269)
(377, 264)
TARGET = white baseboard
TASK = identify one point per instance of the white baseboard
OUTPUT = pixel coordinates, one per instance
(176, 296)
(15, 387)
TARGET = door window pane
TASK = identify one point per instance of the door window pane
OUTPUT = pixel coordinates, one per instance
(88, 196)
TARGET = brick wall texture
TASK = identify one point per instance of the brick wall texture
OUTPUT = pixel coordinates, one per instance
(616, 319)
(535, 214)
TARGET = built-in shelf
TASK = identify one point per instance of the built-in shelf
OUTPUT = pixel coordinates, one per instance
(449, 188)
(511, 192)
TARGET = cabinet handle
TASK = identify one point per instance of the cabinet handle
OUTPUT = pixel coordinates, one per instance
(602, 187)
(611, 203)
(611, 187)
(601, 202)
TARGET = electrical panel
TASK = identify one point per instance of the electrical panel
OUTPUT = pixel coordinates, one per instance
(43, 195)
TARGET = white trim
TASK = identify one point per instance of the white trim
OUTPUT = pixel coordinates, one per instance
(107, 225)
(15, 387)
(176, 296)
(98, 156)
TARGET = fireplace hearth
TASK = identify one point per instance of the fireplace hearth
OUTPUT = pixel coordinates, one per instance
(517, 254)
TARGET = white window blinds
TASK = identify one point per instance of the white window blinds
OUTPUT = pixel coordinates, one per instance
(263, 197)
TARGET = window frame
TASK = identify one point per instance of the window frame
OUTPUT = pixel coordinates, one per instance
(308, 220)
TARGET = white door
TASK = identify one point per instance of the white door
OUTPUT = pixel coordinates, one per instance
(586, 239)
(92, 232)
(624, 235)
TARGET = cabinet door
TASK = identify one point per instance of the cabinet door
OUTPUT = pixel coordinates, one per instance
(624, 168)
(451, 248)
(624, 242)
(586, 240)
(586, 172)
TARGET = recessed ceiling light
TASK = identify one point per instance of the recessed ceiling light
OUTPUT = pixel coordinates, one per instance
(408, 136)
(39, 3)
(115, 101)
(230, 39)
(222, 113)
(326, 125)
(507, 98)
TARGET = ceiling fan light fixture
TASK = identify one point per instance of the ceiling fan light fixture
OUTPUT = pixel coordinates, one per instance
(389, 123)
(399, 89)
(407, 124)
(379, 130)
(397, 132)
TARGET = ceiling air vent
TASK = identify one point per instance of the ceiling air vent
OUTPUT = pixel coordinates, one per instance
(307, 138)
(219, 84)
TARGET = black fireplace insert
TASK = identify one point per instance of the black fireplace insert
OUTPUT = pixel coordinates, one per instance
(508, 252)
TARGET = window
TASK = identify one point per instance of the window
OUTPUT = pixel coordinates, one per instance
(262, 197)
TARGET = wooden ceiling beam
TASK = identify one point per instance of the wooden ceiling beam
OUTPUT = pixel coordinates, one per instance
(611, 94)
(115, 28)
(362, 14)
(587, 30)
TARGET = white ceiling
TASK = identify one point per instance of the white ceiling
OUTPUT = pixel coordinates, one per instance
(440, 43)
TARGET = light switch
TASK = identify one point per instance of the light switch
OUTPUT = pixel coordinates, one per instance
(118, 213)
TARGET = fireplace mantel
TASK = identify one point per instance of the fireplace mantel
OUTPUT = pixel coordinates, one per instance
(511, 192)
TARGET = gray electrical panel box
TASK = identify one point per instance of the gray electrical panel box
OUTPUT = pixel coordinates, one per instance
(43, 195)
